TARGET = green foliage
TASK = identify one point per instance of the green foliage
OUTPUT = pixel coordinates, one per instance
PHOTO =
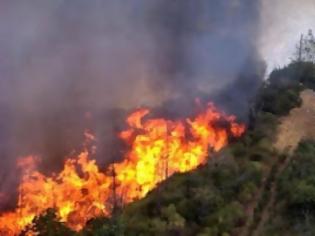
(48, 224)
(308, 74)
(227, 217)
(104, 226)
(298, 181)
(212, 199)
(292, 75)
(296, 193)
(281, 92)
(206, 201)
(247, 192)
(280, 101)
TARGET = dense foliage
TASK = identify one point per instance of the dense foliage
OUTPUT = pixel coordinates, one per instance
(47, 225)
(281, 92)
(294, 212)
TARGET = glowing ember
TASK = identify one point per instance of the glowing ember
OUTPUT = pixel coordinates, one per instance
(158, 149)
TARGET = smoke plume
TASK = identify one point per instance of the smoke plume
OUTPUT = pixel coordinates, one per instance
(70, 65)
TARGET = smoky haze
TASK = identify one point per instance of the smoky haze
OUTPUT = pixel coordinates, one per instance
(283, 22)
(70, 65)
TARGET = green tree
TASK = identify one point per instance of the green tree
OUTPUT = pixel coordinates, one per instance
(48, 224)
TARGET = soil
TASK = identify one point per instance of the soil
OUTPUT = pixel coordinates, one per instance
(298, 125)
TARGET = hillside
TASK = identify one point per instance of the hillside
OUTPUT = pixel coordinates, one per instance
(298, 125)
(291, 131)
(253, 187)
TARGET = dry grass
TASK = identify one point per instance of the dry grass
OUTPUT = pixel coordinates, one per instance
(299, 124)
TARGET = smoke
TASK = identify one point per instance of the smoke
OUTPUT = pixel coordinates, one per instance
(70, 65)
(283, 21)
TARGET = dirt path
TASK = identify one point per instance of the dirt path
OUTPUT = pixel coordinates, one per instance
(272, 197)
(299, 124)
(250, 209)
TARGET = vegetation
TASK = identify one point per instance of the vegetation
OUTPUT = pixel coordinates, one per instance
(215, 198)
(295, 211)
(306, 48)
(47, 225)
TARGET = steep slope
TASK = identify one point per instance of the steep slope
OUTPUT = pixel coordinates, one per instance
(298, 125)
(242, 189)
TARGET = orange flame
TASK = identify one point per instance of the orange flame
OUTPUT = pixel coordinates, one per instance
(158, 149)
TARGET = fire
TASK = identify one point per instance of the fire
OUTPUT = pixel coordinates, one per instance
(158, 149)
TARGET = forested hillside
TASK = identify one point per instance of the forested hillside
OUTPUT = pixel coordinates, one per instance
(258, 185)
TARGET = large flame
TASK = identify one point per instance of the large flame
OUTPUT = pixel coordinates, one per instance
(158, 149)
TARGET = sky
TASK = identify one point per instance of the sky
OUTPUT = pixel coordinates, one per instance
(282, 23)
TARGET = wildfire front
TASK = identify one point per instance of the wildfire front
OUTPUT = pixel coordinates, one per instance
(158, 148)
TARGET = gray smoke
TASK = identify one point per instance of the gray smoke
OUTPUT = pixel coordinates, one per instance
(283, 21)
(70, 65)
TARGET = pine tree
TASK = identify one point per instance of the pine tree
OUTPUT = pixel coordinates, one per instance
(306, 48)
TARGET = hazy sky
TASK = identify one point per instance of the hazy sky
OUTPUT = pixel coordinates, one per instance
(283, 21)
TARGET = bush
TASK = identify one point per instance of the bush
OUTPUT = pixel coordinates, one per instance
(47, 224)
(296, 193)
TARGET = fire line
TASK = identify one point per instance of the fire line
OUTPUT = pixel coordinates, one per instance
(158, 148)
